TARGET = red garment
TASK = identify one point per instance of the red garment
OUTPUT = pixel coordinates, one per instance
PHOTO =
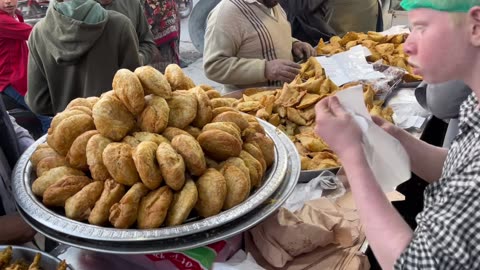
(163, 17)
(13, 52)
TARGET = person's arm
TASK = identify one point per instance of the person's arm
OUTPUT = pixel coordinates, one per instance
(13, 29)
(128, 50)
(426, 160)
(386, 231)
(221, 63)
(38, 96)
(147, 47)
(23, 136)
(14, 230)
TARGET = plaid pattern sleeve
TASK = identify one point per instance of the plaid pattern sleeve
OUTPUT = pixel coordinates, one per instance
(448, 232)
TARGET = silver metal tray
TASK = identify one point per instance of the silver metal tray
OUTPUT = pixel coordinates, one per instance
(23, 176)
(243, 223)
(48, 262)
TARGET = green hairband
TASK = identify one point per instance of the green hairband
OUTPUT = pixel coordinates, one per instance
(440, 5)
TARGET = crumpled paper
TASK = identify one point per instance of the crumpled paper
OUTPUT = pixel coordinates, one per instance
(319, 224)
(239, 261)
(314, 189)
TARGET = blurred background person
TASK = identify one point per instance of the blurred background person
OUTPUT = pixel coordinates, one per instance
(75, 51)
(14, 34)
(133, 9)
(164, 21)
(14, 140)
(250, 44)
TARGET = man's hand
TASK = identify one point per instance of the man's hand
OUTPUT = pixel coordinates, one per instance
(281, 70)
(14, 230)
(303, 50)
(337, 127)
(385, 125)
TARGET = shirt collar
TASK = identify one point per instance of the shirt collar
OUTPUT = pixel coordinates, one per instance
(470, 113)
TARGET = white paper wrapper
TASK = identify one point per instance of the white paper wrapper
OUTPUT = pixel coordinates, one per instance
(386, 156)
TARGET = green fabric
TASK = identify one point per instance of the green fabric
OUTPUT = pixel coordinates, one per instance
(87, 11)
(441, 5)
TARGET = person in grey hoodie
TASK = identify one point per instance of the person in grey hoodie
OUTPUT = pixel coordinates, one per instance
(75, 51)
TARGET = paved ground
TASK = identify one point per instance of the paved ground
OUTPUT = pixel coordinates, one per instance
(193, 58)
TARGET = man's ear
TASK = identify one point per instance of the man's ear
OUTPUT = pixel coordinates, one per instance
(474, 21)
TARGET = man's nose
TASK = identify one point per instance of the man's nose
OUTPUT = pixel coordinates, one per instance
(409, 46)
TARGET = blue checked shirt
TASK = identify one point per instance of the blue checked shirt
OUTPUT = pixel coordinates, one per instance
(448, 232)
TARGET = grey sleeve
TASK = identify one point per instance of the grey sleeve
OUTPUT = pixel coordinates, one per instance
(444, 99)
(147, 47)
(23, 136)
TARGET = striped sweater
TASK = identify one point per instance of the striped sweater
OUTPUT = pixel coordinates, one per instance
(241, 36)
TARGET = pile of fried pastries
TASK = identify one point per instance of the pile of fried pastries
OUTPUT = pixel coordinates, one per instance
(292, 110)
(388, 48)
(6, 262)
(148, 153)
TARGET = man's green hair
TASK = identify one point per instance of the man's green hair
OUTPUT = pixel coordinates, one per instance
(441, 5)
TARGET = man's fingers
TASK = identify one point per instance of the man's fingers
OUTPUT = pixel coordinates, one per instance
(378, 120)
(335, 106)
(292, 65)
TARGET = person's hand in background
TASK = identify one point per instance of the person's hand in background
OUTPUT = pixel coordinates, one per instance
(303, 50)
(281, 70)
(15, 230)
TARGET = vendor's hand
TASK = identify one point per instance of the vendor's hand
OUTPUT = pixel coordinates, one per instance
(15, 231)
(337, 127)
(303, 50)
(385, 125)
(281, 70)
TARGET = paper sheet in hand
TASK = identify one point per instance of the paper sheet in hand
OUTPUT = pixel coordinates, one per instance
(349, 66)
(386, 156)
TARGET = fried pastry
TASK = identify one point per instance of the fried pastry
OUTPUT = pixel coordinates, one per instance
(111, 194)
(194, 131)
(129, 90)
(182, 204)
(60, 117)
(238, 186)
(58, 193)
(145, 159)
(219, 144)
(94, 151)
(79, 206)
(183, 109)
(234, 117)
(118, 160)
(153, 82)
(191, 152)
(204, 108)
(171, 132)
(253, 149)
(211, 93)
(112, 119)
(68, 130)
(154, 118)
(51, 177)
(41, 153)
(177, 79)
(153, 208)
(124, 213)
(212, 190)
(255, 168)
(172, 166)
(85, 109)
(77, 155)
(50, 162)
(87, 102)
(138, 137)
(266, 145)
(219, 110)
(228, 127)
(239, 163)
(222, 102)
